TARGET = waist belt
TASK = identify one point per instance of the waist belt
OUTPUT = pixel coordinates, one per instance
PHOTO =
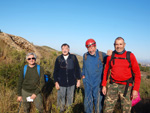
(130, 80)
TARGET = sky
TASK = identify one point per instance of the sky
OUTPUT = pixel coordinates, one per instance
(54, 22)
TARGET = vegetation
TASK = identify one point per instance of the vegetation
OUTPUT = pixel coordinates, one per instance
(11, 63)
(144, 68)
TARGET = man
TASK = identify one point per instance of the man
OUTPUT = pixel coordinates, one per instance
(30, 84)
(92, 76)
(120, 78)
(66, 75)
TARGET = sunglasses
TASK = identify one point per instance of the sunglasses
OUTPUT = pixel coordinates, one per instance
(31, 58)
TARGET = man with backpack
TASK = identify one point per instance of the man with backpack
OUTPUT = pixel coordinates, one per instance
(30, 83)
(92, 72)
(124, 70)
(66, 74)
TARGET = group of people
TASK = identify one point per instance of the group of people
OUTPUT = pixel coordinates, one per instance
(111, 76)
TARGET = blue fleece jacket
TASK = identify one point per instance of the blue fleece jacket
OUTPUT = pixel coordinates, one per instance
(93, 68)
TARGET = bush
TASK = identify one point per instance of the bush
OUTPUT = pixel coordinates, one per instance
(9, 72)
(148, 76)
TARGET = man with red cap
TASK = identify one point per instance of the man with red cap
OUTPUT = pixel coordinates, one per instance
(92, 71)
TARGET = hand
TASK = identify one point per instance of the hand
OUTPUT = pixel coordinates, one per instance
(78, 84)
(109, 52)
(33, 96)
(134, 94)
(57, 86)
(83, 77)
(19, 99)
(104, 90)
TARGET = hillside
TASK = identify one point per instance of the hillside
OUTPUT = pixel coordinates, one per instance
(12, 58)
(12, 42)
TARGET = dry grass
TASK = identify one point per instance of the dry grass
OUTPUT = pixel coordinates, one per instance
(8, 103)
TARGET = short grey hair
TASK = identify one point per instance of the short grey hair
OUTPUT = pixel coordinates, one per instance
(119, 38)
(30, 54)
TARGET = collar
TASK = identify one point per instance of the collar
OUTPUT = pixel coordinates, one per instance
(33, 66)
(96, 52)
(67, 55)
(120, 52)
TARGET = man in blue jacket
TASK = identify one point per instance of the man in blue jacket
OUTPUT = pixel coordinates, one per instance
(92, 71)
(66, 74)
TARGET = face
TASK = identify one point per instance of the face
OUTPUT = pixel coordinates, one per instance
(119, 45)
(65, 50)
(31, 60)
(92, 50)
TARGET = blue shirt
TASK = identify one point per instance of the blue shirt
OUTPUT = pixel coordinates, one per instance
(93, 68)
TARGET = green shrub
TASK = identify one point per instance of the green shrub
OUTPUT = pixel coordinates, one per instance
(54, 53)
(9, 72)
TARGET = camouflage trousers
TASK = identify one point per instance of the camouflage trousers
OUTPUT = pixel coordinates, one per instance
(115, 92)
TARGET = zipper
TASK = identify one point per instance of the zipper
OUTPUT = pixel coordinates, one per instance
(67, 71)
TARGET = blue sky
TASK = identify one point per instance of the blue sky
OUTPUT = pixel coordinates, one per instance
(54, 22)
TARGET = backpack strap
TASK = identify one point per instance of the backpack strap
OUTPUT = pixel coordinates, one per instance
(25, 70)
(73, 57)
(128, 58)
(85, 56)
(130, 80)
(101, 57)
(74, 61)
(38, 69)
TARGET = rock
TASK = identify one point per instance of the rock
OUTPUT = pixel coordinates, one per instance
(18, 43)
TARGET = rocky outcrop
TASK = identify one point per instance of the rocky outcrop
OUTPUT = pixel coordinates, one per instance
(18, 43)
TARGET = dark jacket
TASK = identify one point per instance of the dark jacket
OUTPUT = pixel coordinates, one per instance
(66, 72)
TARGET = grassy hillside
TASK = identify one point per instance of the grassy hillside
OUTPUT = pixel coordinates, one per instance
(11, 62)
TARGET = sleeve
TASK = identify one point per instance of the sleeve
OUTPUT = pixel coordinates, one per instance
(104, 82)
(20, 81)
(83, 68)
(136, 71)
(77, 69)
(56, 70)
(42, 81)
